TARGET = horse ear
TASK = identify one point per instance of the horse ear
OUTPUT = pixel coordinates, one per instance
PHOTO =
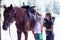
(4, 6)
(11, 6)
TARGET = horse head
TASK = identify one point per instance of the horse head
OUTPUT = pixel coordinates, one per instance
(8, 15)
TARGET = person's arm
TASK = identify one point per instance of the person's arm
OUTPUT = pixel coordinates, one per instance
(42, 27)
(51, 29)
(42, 19)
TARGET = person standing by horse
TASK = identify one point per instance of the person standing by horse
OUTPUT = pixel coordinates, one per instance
(49, 27)
(38, 27)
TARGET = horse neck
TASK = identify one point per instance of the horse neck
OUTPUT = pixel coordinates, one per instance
(20, 14)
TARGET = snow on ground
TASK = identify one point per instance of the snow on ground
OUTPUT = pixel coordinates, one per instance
(57, 28)
(5, 34)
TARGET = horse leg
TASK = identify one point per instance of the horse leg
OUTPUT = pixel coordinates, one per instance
(19, 35)
(34, 35)
(26, 35)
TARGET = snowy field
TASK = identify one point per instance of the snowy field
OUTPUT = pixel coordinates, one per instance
(13, 31)
(5, 34)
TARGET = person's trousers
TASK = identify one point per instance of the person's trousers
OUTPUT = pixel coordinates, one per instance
(39, 36)
(50, 36)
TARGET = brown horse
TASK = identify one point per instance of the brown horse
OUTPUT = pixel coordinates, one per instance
(23, 23)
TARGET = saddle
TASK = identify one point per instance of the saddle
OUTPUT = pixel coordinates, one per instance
(30, 11)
